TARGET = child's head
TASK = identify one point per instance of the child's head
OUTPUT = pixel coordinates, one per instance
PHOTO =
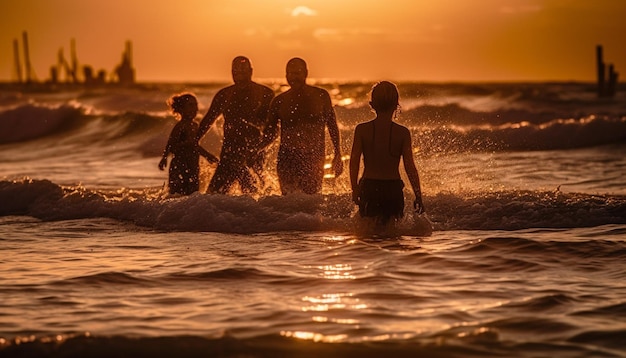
(184, 104)
(384, 97)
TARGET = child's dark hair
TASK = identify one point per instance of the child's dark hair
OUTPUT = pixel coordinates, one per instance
(384, 97)
(176, 102)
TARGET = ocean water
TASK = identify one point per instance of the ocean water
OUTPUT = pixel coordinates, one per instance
(522, 252)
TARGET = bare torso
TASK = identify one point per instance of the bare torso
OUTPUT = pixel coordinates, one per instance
(244, 109)
(303, 115)
(382, 143)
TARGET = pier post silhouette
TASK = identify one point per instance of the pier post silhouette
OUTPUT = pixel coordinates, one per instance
(28, 70)
(607, 82)
(17, 63)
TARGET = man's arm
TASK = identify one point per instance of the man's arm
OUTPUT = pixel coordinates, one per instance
(208, 156)
(215, 109)
(333, 131)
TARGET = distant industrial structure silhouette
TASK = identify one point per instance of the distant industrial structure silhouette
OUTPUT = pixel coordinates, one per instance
(125, 71)
(607, 80)
(64, 72)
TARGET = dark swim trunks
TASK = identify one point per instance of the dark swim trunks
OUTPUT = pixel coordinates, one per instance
(383, 199)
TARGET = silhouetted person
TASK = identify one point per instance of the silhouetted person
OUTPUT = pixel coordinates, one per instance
(183, 145)
(302, 112)
(244, 107)
(382, 143)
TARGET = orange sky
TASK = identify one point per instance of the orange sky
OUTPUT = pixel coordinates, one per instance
(422, 40)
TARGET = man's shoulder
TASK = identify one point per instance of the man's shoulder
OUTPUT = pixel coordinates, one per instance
(225, 91)
(262, 87)
(314, 93)
(316, 90)
(281, 96)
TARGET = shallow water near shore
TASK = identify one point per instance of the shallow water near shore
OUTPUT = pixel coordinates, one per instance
(523, 183)
(88, 283)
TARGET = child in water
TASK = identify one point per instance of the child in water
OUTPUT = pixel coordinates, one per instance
(382, 143)
(184, 167)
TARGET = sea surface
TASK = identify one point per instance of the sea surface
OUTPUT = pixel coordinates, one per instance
(521, 253)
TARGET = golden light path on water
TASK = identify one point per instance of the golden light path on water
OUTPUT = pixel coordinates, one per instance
(337, 307)
(327, 302)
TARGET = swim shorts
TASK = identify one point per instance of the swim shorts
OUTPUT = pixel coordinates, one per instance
(381, 198)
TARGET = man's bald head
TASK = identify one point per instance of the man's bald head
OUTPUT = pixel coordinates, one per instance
(241, 69)
(296, 72)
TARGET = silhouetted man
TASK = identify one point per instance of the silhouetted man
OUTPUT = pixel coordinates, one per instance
(303, 112)
(244, 106)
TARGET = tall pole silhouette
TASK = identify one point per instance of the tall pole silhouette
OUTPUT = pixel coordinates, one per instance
(16, 61)
(28, 71)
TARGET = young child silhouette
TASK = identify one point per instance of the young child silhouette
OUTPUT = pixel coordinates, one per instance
(183, 145)
(382, 144)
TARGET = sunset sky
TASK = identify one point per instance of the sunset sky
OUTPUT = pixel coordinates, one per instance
(421, 40)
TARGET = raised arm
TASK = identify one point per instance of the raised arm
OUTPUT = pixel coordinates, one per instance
(411, 169)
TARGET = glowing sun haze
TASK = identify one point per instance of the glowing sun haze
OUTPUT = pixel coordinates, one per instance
(422, 40)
